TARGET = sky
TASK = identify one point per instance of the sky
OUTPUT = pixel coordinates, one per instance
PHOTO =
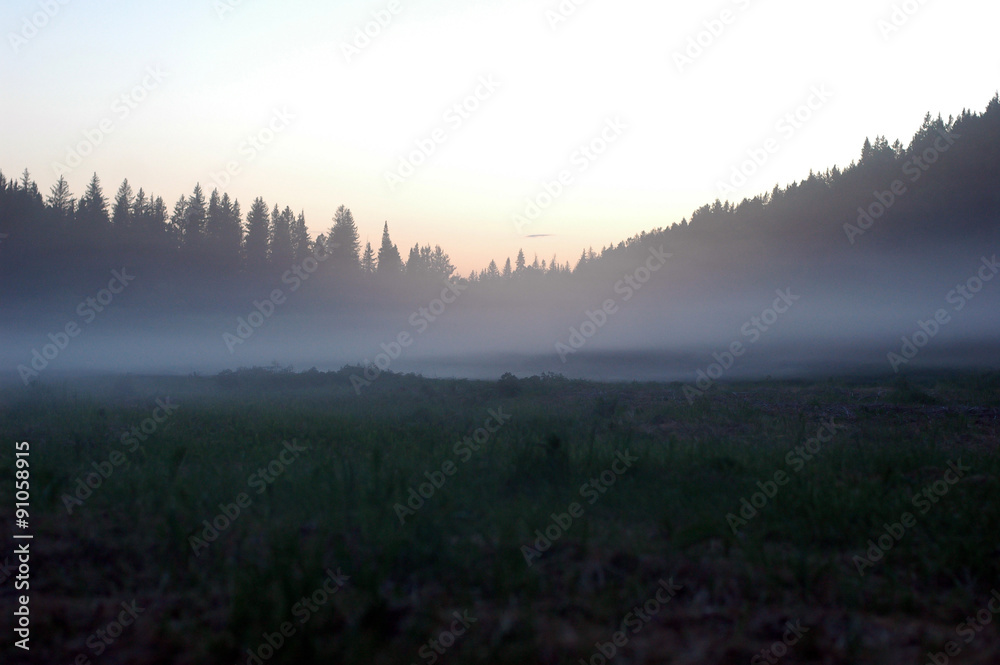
(484, 126)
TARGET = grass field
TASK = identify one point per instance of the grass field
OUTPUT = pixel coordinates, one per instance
(546, 515)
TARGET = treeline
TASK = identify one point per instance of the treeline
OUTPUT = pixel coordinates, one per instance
(210, 234)
(950, 172)
(201, 232)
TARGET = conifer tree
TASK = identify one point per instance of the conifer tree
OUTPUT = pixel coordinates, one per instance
(60, 199)
(257, 235)
(368, 260)
(301, 243)
(193, 225)
(281, 254)
(121, 212)
(389, 260)
(92, 213)
(345, 245)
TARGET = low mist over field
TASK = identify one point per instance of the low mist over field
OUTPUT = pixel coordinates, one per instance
(817, 276)
(488, 205)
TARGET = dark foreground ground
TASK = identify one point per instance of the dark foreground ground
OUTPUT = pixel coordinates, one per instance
(860, 546)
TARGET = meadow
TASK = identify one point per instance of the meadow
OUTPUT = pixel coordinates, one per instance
(269, 516)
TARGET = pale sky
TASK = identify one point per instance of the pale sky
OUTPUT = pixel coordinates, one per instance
(230, 70)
